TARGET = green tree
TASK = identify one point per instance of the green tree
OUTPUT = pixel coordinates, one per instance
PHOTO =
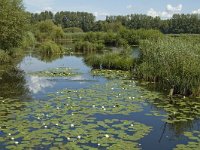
(13, 20)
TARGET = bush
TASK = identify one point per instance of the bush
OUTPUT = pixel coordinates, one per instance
(4, 57)
(49, 47)
(28, 40)
(47, 30)
(72, 30)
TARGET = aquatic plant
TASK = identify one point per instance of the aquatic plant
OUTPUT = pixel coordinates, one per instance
(56, 72)
(111, 60)
(173, 62)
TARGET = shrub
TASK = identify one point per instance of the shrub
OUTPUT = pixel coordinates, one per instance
(72, 30)
(49, 47)
(4, 57)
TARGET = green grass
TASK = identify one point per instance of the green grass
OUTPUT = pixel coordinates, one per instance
(172, 61)
(111, 60)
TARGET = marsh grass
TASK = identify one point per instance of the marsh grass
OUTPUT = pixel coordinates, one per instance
(172, 61)
(110, 60)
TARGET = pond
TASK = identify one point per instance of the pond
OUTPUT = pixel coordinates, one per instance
(62, 104)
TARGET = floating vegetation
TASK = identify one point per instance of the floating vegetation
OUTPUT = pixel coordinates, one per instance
(112, 74)
(56, 72)
(68, 119)
(194, 143)
(178, 110)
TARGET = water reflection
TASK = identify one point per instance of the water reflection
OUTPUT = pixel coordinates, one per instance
(12, 82)
(37, 84)
(48, 58)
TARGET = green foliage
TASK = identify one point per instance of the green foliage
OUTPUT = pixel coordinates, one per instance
(49, 47)
(111, 60)
(88, 46)
(28, 40)
(172, 61)
(133, 37)
(81, 20)
(4, 57)
(72, 30)
(48, 30)
(13, 21)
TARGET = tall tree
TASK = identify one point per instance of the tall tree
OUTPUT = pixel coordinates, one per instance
(13, 20)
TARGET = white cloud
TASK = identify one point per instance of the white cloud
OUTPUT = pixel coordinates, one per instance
(40, 5)
(167, 13)
(101, 15)
(196, 11)
(37, 84)
(152, 13)
(171, 9)
(129, 6)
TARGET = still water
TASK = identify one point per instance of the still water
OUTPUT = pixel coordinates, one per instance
(85, 111)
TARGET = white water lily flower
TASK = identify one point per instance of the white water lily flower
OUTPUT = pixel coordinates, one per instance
(131, 125)
(102, 107)
(16, 142)
(45, 126)
(99, 144)
(72, 125)
(129, 97)
(9, 134)
(112, 88)
(68, 138)
(79, 137)
(106, 135)
(133, 97)
(93, 106)
(56, 124)
(12, 138)
(58, 108)
(38, 118)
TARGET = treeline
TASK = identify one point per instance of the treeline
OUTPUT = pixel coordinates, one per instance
(179, 23)
(67, 19)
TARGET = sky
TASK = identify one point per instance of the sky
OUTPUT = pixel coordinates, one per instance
(102, 8)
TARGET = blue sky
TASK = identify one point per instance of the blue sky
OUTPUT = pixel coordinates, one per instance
(101, 8)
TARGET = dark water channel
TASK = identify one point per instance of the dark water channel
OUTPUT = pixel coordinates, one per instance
(18, 85)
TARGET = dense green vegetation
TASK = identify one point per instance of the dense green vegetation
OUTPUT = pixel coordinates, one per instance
(168, 59)
(172, 61)
(179, 23)
(111, 60)
(49, 47)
